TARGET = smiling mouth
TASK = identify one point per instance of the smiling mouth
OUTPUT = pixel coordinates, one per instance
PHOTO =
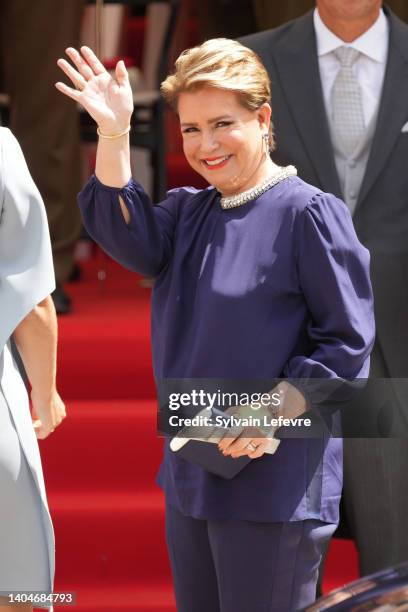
(216, 162)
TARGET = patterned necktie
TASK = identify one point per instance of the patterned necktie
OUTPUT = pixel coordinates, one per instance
(347, 103)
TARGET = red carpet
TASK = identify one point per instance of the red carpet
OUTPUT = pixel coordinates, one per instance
(100, 465)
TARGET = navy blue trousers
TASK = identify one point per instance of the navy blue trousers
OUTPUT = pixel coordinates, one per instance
(243, 566)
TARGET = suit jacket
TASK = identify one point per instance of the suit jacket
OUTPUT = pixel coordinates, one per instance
(303, 139)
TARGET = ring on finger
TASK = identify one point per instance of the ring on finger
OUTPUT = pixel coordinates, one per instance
(251, 447)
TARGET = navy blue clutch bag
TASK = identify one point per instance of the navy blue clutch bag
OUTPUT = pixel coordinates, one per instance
(205, 453)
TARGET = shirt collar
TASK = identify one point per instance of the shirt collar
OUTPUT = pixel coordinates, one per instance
(373, 43)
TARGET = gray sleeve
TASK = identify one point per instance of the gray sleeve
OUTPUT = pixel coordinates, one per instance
(26, 268)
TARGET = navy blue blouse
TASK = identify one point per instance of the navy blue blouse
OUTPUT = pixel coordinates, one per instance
(278, 287)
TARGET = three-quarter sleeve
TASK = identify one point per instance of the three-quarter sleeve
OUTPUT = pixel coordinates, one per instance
(333, 269)
(26, 268)
(143, 245)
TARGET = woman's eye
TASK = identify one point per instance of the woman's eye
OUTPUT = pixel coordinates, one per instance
(223, 123)
(189, 130)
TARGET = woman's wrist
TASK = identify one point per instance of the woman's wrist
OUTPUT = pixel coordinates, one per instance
(110, 129)
(44, 395)
(114, 135)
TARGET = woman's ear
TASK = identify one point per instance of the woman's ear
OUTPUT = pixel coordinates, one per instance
(264, 115)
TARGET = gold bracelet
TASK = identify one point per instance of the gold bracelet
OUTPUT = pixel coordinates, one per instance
(101, 135)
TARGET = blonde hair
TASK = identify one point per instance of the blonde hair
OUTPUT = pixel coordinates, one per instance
(223, 64)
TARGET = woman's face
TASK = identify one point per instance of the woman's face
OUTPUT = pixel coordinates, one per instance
(222, 140)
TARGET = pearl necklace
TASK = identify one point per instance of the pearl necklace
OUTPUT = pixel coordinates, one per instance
(253, 193)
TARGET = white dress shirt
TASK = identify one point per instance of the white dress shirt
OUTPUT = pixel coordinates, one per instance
(369, 67)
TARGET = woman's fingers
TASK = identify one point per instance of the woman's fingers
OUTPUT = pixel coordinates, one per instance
(248, 443)
(40, 431)
(93, 61)
(232, 446)
(43, 430)
(77, 79)
(254, 448)
(83, 66)
(225, 443)
(37, 424)
(261, 446)
(68, 91)
(47, 414)
(121, 73)
(238, 446)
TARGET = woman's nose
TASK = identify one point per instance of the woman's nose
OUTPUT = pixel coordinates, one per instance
(208, 142)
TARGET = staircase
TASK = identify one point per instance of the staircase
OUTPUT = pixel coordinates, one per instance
(100, 465)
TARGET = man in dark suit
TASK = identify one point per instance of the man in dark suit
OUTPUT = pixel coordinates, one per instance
(340, 110)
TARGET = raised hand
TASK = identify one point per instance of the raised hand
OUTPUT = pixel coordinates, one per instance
(108, 100)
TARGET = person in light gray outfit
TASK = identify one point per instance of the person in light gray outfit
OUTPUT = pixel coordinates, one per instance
(27, 314)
